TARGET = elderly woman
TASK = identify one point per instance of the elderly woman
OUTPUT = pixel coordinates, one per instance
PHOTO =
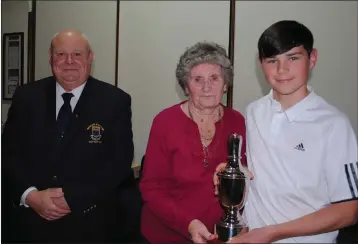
(186, 143)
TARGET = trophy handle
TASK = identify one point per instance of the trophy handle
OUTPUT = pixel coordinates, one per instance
(242, 169)
(243, 201)
(247, 176)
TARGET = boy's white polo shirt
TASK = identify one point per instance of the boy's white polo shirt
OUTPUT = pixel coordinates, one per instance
(302, 159)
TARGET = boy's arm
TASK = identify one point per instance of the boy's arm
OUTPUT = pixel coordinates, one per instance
(330, 218)
(341, 171)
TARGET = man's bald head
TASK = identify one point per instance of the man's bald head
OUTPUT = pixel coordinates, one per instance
(71, 57)
(70, 33)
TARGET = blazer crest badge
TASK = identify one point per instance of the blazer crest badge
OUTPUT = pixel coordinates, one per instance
(96, 132)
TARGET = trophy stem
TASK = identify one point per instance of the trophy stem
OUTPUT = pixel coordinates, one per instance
(231, 215)
(230, 225)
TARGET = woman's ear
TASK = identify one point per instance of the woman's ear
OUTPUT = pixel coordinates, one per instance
(186, 91)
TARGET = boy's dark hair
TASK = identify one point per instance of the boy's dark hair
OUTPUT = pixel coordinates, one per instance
(282, 37)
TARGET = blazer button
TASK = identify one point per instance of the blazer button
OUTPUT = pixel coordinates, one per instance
(54, 178)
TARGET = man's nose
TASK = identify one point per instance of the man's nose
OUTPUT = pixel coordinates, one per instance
(69, 59)
(282, 67)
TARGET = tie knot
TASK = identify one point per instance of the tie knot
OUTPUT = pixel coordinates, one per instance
(67, 97)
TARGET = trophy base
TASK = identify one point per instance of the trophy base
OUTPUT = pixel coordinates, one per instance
(226, 231)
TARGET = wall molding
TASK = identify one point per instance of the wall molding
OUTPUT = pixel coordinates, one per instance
(231, 50)
(31, 38)
(117, 48)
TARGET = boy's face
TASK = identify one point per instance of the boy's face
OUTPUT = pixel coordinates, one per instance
(289, 72)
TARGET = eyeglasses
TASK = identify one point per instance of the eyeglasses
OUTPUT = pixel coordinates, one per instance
(200, 81)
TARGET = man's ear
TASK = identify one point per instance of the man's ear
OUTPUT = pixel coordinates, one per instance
(91, 56)
(313, 58)
(50, 55)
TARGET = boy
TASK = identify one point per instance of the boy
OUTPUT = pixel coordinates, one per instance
(301, 150)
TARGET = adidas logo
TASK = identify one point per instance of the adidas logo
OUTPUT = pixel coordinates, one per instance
(300, 147)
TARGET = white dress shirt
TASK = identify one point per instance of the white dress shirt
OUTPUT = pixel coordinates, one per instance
(59, 102)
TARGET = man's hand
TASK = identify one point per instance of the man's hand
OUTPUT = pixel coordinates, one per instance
(42, 202)
(199, 233)
(60, 201)
(220, 168)
(261, 235)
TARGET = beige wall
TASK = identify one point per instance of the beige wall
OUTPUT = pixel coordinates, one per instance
(334, 26)
(97, 19)
(14, 16)
(152, 36)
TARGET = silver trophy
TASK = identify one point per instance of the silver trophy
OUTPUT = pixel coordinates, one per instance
(232, 191)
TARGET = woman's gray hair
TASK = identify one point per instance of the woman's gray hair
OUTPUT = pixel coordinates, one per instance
(204, 52)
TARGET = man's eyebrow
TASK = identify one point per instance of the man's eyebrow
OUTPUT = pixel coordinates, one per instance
(293, 54)
(77, 50)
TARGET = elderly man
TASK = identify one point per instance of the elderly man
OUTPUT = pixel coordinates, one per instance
(67, 152)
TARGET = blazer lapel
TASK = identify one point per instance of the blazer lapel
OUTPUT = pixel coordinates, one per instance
(50, 120)
(50, 113)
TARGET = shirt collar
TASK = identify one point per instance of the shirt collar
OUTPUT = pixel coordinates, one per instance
(76, 92)
(297, 109)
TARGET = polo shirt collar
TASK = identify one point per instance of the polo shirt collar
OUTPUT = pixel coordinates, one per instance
(296, 110)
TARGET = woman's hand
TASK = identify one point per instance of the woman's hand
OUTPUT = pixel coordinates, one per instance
(199, 233)
(220, 168)
(216, 182)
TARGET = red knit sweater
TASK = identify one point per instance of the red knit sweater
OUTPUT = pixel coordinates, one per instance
(176, 187)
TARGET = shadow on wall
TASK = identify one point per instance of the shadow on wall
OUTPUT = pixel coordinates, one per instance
(265, 87)
(180, 92)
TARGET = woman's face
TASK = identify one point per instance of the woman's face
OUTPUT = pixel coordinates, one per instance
(206, 85)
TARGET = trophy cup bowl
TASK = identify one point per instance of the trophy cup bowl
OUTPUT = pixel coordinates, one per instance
(232, 191)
